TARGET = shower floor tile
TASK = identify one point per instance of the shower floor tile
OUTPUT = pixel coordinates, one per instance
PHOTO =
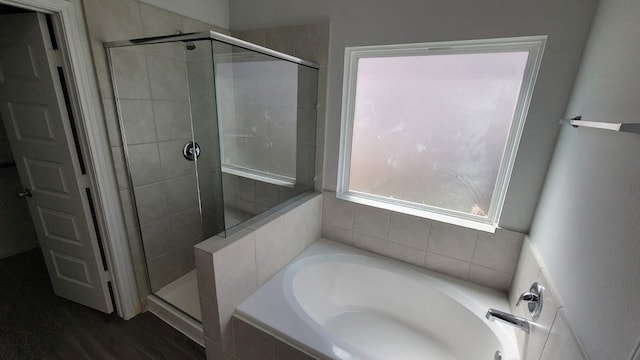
(183, 294)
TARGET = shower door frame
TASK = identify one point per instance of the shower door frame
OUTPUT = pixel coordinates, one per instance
(210, 35)
(162, 308)
(84, 86)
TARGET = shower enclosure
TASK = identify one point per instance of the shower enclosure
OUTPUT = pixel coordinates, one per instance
(215, 131)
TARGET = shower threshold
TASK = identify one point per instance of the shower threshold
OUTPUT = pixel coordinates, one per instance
(183, 294)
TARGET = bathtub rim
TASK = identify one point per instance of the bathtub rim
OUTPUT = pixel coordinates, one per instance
(312, 339)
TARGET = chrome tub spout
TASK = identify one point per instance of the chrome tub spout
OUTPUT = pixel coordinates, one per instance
(516, 321)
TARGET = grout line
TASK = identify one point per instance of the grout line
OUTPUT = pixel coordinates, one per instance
(473, 253)
(427, 247)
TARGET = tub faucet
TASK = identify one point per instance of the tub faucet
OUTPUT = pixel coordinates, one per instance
(510, 319)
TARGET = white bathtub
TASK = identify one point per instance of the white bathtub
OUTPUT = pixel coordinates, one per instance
(337, 302)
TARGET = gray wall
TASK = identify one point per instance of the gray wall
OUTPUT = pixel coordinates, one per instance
(587, 226)
(360, 22)
(208, 11)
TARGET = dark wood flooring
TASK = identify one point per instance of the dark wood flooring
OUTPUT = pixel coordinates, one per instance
(36, 324)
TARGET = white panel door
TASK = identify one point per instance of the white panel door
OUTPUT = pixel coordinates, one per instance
(33, 109)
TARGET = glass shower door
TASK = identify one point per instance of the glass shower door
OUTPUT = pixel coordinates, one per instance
(154, 107)
(201, 89)
(266, 115)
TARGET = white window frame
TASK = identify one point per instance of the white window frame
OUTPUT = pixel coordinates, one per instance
(534, 45)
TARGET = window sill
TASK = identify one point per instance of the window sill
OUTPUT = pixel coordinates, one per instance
(449, 219)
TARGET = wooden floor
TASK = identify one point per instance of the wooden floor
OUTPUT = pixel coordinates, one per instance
(36, 324)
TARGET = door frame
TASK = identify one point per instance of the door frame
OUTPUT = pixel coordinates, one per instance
(83, 85)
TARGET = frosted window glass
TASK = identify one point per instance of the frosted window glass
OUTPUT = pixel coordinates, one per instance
(432, 129)
(258, 105)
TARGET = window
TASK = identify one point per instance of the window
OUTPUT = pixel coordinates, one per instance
(432, 129)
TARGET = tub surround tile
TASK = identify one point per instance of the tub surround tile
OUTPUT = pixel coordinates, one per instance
(235, 272)
(227, 340)
(562, 342)
(251, 343)
(541, 327)
(409, 230)
(489, 277)
(369, 243)
(498, 251)
(405, 253)
(529, 271)
(232, 268)
(337, 212)
(452, 241)
(371, 221)
(270, 250)
(446, 265)
(205, 276)
(450, 249)
(303, 224)
(210, 318)
(526, 273)
(284, 351)
(336, 234)
(551, 336)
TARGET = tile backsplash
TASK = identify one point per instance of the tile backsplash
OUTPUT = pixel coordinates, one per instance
(230, 269)
(476, 256)
(551, 336)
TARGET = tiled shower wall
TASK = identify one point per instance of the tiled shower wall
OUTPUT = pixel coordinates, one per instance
(158, 104)
(308, 42)
(480, 257)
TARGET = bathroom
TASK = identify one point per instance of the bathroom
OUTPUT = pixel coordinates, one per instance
(573, 192)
